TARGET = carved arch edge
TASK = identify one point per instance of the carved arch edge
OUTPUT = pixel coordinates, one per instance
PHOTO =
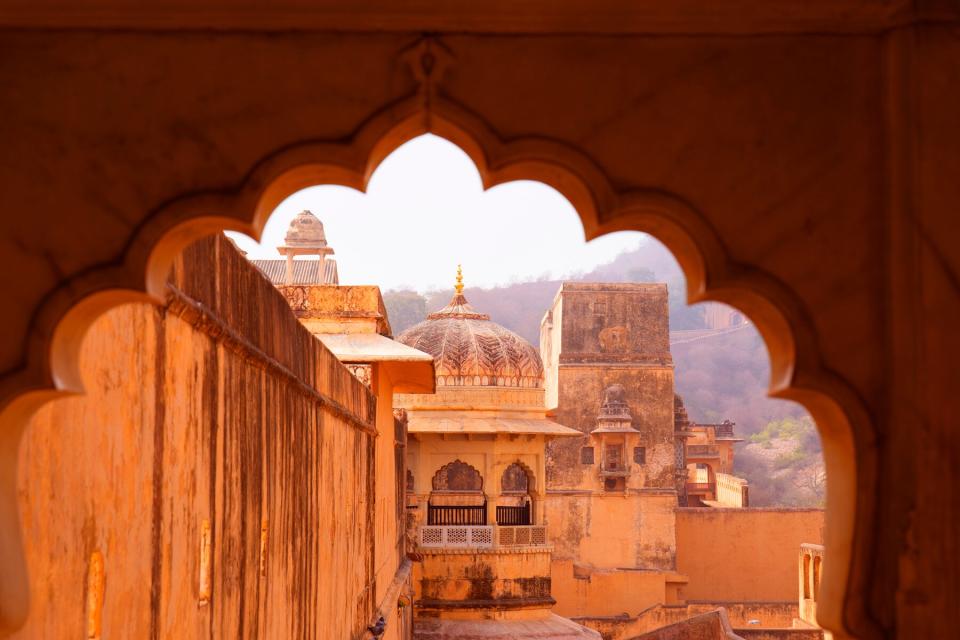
(797, 370)
(443, 473)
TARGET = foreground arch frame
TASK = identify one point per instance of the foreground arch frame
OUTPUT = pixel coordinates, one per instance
(797, 369)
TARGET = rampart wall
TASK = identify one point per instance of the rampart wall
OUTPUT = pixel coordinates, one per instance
(743, 555)
(216, 479)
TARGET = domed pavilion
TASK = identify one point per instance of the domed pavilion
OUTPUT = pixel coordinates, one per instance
(476, 481)
(470, 350)
(306, 239)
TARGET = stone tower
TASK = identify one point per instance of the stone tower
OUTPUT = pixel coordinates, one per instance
(612, 491)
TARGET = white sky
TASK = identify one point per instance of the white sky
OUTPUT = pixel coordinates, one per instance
(425, 211)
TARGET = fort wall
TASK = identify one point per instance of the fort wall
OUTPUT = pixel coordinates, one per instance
(742, 555)
(216, 479)
(583, 591)
(634, 530)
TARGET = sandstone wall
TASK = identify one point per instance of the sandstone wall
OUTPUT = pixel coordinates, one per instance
(595, 593)
(486, 579)
(595, 336)
(216, 479)
(613, 530)
(737, 555)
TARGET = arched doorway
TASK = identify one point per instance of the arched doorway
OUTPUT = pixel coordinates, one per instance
(701, 483)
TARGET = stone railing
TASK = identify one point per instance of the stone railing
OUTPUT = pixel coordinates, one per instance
(811, 569)
(481, 537)
(732, 491)
(456, 536)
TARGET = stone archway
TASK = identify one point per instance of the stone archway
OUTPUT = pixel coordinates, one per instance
(798, 369)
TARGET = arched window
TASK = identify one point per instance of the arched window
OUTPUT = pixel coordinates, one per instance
(457, 497)
(458, 476)
(514, 479)
(515, 506)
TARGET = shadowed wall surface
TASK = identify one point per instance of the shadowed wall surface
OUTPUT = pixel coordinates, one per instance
(217, 408)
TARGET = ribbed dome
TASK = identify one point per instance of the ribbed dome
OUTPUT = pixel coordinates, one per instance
(306, 231)
(471, 350)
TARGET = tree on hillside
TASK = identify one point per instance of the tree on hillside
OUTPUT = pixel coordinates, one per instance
(784, 464)
(404, 309)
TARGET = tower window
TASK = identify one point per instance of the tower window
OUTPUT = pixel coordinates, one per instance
(586, 455)
(613, 457)
(640, 455)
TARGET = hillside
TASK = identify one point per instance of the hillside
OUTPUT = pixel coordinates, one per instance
(784, 464)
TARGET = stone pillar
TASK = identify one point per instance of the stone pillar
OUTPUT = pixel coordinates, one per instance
(493, 500)
(289, 279)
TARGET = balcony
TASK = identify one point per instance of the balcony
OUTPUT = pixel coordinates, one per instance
(482, 537)
(456, 536)
(703, 451)
(614, 471)
(698, 488)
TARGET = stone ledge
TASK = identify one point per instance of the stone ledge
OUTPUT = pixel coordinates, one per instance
(439, 551)
(495, 603)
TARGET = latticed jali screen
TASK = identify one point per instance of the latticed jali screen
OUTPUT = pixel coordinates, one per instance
(482, 536)
(520, 536)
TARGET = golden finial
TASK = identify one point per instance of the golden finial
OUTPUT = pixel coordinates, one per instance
(459, 285)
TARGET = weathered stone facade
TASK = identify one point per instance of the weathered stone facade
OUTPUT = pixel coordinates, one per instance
(598, 335)
(219, 478)
(597, 338)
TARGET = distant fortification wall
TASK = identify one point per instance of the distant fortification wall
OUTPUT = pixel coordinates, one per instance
(743, 555)
(214, 481)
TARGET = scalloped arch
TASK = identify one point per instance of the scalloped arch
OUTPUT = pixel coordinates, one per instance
(465, 474)
(532, 487)
(797, 372)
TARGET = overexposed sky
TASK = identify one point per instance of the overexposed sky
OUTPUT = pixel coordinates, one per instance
(425, 211)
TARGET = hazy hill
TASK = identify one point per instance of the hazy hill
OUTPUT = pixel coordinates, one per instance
(784, 464)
